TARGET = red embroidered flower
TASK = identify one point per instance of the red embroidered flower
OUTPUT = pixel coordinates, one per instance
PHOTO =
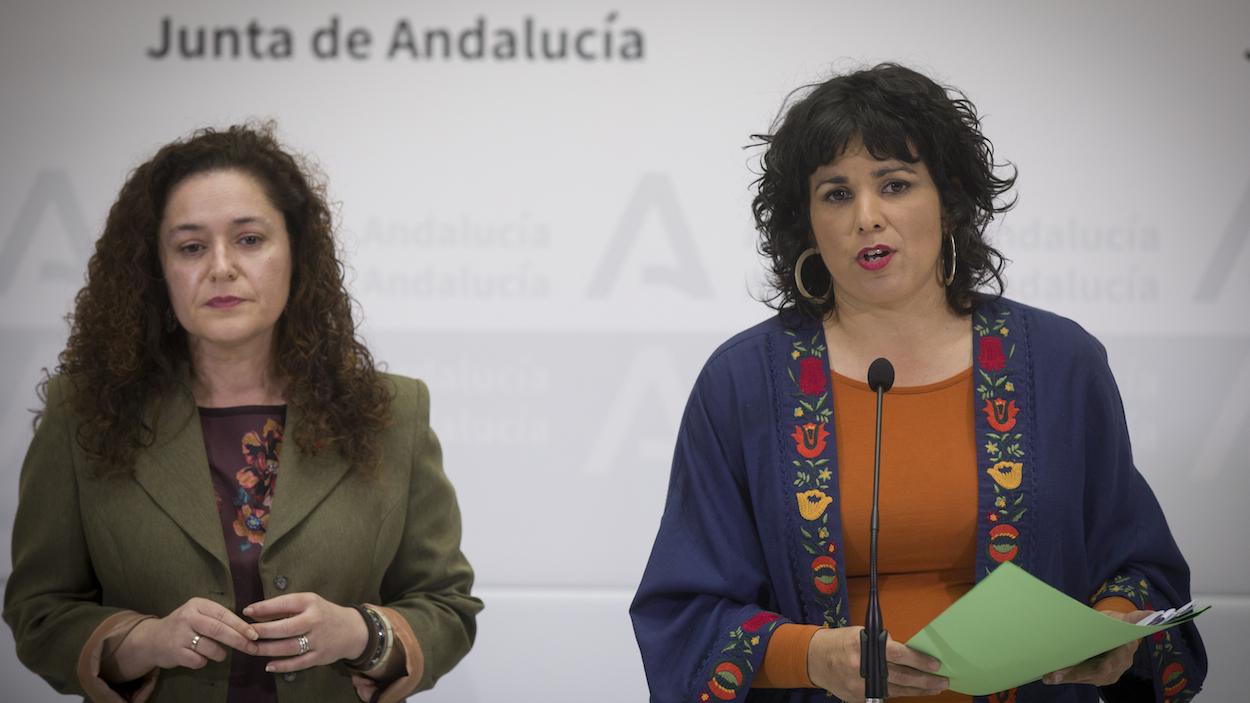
(991, 354)
(810, 439)
(1173, 679)
(759, 620)
(726, 680)
(1001, 413)
(825, 575)
(1004, 697)
(811, 375)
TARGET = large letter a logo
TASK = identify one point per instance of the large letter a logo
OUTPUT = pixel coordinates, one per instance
(655, 193)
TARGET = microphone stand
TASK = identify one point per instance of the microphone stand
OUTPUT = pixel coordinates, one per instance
(872, 639)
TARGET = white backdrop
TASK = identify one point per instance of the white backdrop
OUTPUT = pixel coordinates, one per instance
(556, 245)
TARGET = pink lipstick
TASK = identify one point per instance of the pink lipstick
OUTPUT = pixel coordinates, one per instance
(224, 301)
(875, 257)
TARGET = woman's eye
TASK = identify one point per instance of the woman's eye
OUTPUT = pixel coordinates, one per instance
(897, 186)
(191, 248)
(250, 240)
(838, 194)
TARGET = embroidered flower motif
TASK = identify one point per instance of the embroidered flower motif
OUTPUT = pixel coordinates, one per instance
(991, 354)
(755, 640)
(810, 439)
(704, 696)
(823, 533)
(251, 523)
(760, 619)
(1173, 679)
(1010, 388)
(1001, 413)
(1004, 543)
(812, 504)
(825, 575)
(1007, 474)
(795, 354)
(798, 412)
(1000, 502)
(811, 376)
(1004, 332)
(991, 448)
(725, 681)
(825, 475)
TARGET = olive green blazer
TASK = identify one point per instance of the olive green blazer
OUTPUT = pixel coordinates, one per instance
(85, 547)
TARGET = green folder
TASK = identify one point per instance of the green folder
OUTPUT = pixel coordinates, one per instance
(1012, 628)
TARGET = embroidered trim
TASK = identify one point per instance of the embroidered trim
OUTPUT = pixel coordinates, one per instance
(1166, 658)
(812, 463)
(1003, 449)
(728, 677)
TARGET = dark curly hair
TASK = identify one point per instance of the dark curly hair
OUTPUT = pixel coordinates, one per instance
(897, 113)
(121, 354)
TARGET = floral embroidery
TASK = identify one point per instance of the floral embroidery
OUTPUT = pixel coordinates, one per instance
(812, 504)
(727, 678)
(809, 439)
(811, 473)
(1000, 413)
(1003, 440)
(254, 495)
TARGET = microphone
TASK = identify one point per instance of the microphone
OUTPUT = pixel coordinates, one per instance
(873, 637)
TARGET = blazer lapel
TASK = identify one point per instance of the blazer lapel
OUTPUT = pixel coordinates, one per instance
(174, 472)
(304, 480)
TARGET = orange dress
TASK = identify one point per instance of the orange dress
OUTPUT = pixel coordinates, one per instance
(927, 538)
(928, 506)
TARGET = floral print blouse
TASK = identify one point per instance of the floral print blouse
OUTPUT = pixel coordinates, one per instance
(243, 446)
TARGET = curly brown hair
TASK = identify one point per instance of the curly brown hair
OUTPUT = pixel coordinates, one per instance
(122, 355)
(897, 113)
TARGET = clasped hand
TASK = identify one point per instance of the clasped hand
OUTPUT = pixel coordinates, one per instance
(201, 629)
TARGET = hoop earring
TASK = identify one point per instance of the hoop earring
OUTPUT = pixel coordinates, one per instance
(950, 277)
(798, 277)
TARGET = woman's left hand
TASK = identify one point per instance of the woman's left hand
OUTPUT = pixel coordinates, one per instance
(302, 630)
(1106, 668)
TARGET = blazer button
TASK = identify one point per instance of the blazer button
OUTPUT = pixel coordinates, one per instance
(289, 676)
(280, 583)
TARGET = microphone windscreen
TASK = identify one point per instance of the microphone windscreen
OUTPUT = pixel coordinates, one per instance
(881, 374)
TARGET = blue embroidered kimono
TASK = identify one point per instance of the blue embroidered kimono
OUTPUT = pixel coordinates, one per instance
(739, 549)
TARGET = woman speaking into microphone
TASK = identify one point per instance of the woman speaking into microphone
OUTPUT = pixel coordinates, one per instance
(224, 500)
(1005, 438)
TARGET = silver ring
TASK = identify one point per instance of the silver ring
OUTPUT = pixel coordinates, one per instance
(303, 644)
(195, 642)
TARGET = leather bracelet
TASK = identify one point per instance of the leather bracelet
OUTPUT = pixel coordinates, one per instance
(370, 657)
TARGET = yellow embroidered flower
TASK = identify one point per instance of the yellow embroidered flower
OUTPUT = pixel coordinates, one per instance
(1007, 474)
(1000, 502)
(794, 354)
(825, 474)
(798, 412)
(812, 504)
(755, 640)
(823, 533)
(991, 448)
(1009, 387)
(1003, 331)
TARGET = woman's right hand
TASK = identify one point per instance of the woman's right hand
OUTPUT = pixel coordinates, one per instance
(195, 632)
(833, 664)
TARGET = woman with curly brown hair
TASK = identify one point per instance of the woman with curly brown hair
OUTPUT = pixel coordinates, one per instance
(241, 502)
(1005, 441)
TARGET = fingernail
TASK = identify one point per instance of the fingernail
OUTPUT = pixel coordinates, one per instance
(253, 634)
(269, 668)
